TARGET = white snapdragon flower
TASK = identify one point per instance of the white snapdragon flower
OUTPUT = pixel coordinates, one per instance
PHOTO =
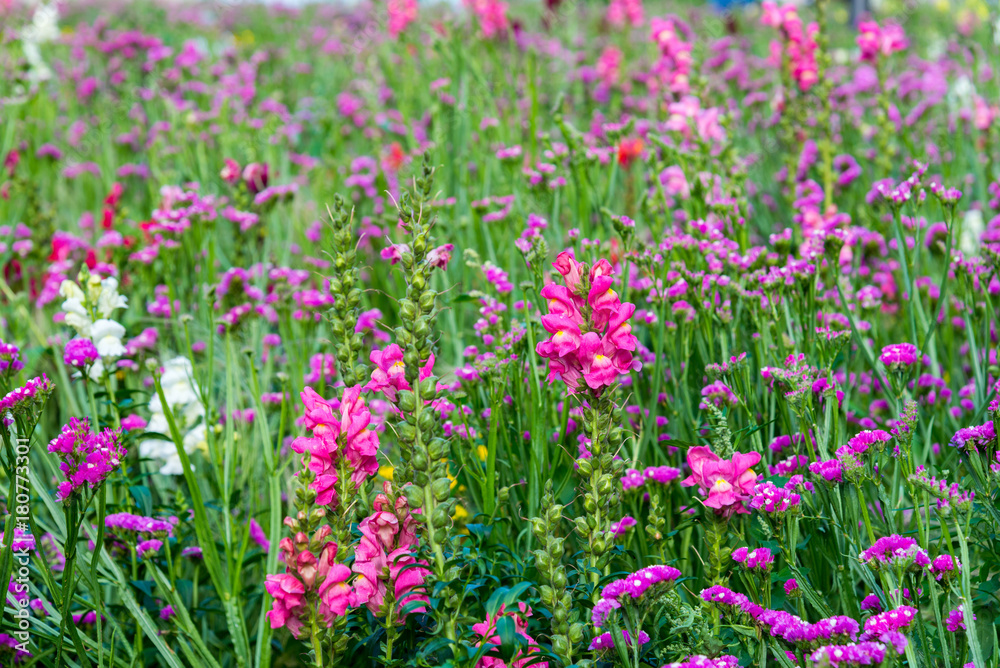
(972, 231)
(44, 28)
(179, 390)
(109, 300)
(107, 335)
(77, 316)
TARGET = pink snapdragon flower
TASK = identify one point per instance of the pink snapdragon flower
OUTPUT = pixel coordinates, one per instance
(591, 340)
(389, 374)
(622, 12)
(491, 14)
(726, 484)
(340, 440)
(401, 14)
(385, 556)
(308, 580)
(488, 632)
(874, 40)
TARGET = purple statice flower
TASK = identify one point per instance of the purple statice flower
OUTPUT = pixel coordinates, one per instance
(956, 619)
(944, 566)
(10, 358)
(791, 586)
(26, 400)
(133, 422)
(632, 479)
(898, 552)
(769, 498)
(857, 654)
(871, 602)
(899, 357)
(498, 277)
(619, 528)
(166, 612)
(973, 438)
(80, 353)
(890, 620)
(788, 466)
(194, 552)
(717, 394)
(22, 541)
(148, 548)
(760, 559)
(837, 629)
(661, 474)
(258, 536)
(606, 641)
(11, 646)
(830, 470)
(87, 459)
(867, 439)
(127, 522)
(636, 584)
(702, 661)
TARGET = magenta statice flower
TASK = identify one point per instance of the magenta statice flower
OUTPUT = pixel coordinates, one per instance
(899, 357)
(258, 536)
(845, 656)
(719, 395)
(972, 439)
(621, 527)
(944, 566)
(768, 498)
(606, 641)
(10, 358)
(791, 586)
(148, 548)
(897, 552)
(956, 619)
(759, 559)
(122, 523)
(890, 620)
(702, 661)
(87, 459)
(26, 400)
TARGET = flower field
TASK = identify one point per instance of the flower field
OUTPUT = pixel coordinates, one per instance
(499, 335)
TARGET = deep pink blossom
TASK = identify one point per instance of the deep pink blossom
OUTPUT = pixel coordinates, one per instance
(726, 484)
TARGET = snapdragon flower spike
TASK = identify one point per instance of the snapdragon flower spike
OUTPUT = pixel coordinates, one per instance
(897, 552)
(389, 374)
(339, 433)
(310, 582)
(87, 459)
(591, 341)
(385, 558)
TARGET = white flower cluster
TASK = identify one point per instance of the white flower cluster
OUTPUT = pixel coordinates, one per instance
(89, 313)
(179, 390)
(44, 28)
